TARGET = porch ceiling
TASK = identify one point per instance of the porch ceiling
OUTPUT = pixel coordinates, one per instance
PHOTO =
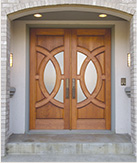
(70, 15)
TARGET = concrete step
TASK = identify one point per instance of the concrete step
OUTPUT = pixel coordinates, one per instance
(68, 158)
(67, 144)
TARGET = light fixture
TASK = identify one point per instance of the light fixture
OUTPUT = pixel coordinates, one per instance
(11, 59)
(128, 59)
(37, 15)
(103, 15)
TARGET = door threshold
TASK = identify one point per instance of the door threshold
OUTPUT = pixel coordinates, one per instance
(70, 132)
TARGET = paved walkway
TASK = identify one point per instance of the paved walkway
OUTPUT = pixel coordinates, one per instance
(68, 158)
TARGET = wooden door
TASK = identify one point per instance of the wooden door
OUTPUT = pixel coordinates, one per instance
(70, 79)
(49, 69)
(91, 74)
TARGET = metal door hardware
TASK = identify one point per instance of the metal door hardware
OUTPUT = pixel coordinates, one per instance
(73, 88)
(67, 88)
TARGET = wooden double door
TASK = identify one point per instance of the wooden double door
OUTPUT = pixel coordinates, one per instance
(70, 72)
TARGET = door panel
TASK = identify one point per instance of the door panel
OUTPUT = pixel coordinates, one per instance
(91, 107)
(49, 68)
(70, 79)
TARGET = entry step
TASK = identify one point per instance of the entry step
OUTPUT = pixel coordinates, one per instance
(69, 144)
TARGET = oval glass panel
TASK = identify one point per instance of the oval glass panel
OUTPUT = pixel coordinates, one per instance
(49, 76)
(80, 95)
(80, 59)
(60, 59)
(59, 96)
(91, 77)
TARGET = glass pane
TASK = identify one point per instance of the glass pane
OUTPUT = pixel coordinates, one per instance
(91, 77)
(60, 59)
(80, 94)
(80, 59)
(59, 96)
(49, 76)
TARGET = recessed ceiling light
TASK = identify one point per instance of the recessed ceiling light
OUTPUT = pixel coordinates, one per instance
(37, 15)
(103, 15)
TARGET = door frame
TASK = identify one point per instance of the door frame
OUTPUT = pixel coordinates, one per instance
(88, 26)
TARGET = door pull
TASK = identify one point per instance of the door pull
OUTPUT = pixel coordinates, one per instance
(67, 88)
(73, 88)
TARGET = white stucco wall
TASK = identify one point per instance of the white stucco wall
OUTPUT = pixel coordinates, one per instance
(122, 102)
(18, 74)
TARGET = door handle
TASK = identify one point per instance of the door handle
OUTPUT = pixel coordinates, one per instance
(73, 88)
(67, 88)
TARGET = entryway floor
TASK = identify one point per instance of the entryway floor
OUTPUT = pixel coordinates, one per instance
(69, 148)
(69, 138)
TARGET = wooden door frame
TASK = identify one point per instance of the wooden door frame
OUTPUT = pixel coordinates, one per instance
(112, 83)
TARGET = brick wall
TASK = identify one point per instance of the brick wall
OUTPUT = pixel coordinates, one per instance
(11, 6)
(133, 46)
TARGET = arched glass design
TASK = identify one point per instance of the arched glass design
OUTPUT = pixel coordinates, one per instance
(80, 95)
(80, 59)
(59, 96)
(91, 77)
(49, 76)
(60, 58)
